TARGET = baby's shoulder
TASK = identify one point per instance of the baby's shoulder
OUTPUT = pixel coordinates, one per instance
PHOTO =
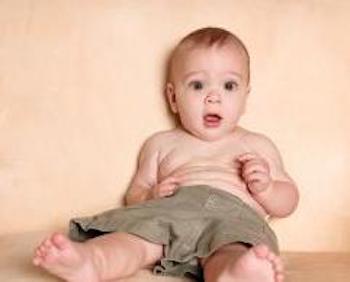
(160, 139)
(257, 141)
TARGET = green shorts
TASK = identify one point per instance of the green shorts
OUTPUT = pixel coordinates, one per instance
(193, 223)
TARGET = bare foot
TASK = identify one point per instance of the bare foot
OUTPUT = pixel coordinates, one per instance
(65, 259)
(258, 264)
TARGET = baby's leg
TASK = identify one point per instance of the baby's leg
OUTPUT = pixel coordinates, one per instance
(105, 257)
(236, 262)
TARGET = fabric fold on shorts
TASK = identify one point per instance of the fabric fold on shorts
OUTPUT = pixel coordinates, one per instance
(193, 223)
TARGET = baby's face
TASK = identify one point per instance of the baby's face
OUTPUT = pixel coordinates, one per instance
(208, 90)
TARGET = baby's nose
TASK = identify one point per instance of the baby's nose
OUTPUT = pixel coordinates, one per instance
(213, 97)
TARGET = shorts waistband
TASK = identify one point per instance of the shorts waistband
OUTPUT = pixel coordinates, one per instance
(204, 193)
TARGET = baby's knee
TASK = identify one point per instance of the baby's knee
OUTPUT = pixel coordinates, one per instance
(223, 275)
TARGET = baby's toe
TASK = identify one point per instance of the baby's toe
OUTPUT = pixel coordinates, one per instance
(37, 261)
(271, 256)
(279, 267)
(38, 253)
(39, 256)
(47, 243)
(43, 249)
(60, 241)
(276, 261)
(261, 251)
(279, 277)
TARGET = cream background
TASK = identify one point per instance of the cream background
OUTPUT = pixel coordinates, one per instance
(81, 89)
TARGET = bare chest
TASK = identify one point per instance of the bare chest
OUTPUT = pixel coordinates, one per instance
(185, 156)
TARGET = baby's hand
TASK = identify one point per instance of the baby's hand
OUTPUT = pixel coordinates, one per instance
(255, 172)
(166, 188)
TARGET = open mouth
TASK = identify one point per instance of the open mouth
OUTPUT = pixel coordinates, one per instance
(212, 120)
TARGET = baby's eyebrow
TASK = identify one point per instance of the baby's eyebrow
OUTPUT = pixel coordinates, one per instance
(231, 73)
(234, 73)
(187, 75)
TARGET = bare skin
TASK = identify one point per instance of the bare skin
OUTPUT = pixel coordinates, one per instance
(237, 263)
(59, 256)
(107, 257)
(175, 158)
(208, 92)
(76, 262)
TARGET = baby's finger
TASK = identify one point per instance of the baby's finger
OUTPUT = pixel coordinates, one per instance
(169, 179)
(165, 193)
(255, 166)
(164, 189)
(247, 157)
(256, 186)
(171, 191)
(173, 180)
(257, 177)
(169, 187)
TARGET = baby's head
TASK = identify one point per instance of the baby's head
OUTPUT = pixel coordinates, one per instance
(208, 82)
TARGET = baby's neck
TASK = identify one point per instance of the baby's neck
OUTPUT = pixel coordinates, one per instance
(236, 134)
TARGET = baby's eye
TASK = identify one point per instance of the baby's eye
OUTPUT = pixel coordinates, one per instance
(196, 85)
(231, 85)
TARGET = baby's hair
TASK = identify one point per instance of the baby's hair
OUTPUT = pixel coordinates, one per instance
(208, 37)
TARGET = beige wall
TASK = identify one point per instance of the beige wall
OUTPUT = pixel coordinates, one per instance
(81, 88)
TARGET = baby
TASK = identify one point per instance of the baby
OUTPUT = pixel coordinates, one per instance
(198, 202)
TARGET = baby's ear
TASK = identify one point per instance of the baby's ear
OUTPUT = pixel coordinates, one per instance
(248, 89)
(244, 105)
(171, 97)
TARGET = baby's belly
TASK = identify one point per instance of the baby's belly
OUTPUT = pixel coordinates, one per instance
(224, 179)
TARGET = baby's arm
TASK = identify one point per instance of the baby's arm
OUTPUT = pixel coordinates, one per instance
(144, 185)
(266, 178)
